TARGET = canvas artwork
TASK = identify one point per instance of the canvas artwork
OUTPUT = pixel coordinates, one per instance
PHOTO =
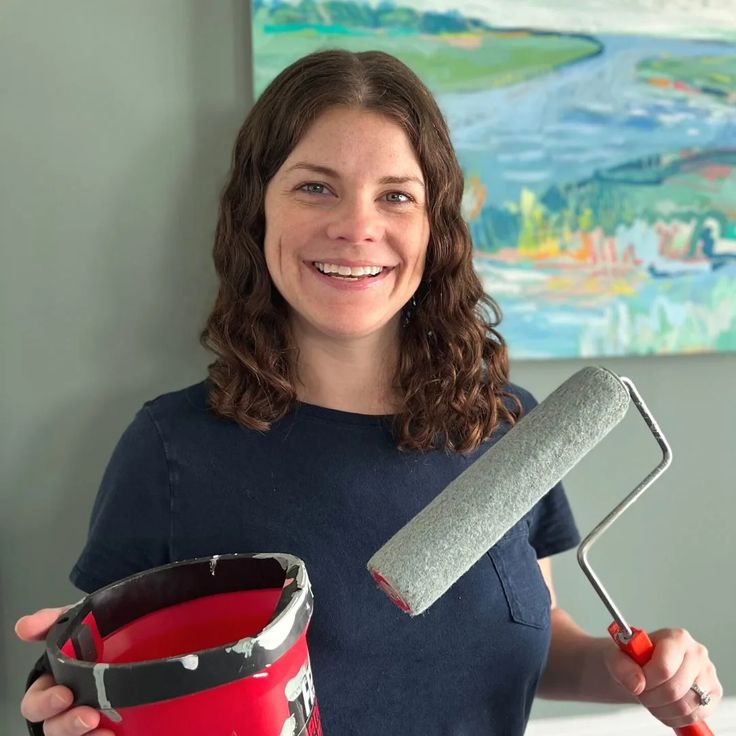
(598, 143)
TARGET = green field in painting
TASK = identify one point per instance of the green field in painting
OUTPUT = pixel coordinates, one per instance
(686, 187)
(675, 189)
(714, 75)
(452, 62)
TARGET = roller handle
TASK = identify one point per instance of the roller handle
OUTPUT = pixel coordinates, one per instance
(640, 649)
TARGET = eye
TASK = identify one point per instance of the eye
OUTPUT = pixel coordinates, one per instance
(312, 188)
(395, 197)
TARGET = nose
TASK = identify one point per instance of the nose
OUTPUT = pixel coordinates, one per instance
(355, 220)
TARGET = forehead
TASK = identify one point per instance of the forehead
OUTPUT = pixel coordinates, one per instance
(354, 135)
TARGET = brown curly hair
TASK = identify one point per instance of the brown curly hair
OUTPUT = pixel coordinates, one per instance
(453, 365)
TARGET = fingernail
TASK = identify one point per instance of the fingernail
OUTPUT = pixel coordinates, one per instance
(81, 723)
(634, 685)
(60, 701)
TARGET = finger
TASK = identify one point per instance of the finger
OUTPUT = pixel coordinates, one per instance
(670, 648)
(44, 699)
(74, 722)
(676, 709)
(692, 712)
(675, 687)
(689, 708)
(625, 671)
(35, 626)
(674, 648)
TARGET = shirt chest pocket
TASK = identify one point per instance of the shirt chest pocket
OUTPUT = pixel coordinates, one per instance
(527, 595)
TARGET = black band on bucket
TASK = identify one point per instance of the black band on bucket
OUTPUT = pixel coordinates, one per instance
(110, 686)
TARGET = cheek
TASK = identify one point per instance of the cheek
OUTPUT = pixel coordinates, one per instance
(290, 229)
(422, 245)
(270, 247)
(273, 254)
(281, 252)
(270, 234)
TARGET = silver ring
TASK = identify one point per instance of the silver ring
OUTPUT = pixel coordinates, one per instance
(703, 695)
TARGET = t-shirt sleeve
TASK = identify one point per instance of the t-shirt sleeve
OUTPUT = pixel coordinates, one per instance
(552, 526)
(130, 526)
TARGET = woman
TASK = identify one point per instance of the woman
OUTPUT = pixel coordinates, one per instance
(358, 372)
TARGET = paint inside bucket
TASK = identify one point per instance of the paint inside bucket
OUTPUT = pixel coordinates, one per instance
(203, 623)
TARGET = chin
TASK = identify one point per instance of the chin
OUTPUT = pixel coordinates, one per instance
(341, 323)
(351, 330)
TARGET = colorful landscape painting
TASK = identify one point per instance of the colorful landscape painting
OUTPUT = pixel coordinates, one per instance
(599, 151)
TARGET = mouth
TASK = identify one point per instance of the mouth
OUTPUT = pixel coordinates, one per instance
(350, 273)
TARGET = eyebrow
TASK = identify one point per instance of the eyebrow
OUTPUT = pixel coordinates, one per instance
(327, 171)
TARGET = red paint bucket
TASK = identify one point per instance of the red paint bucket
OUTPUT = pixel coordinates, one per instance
(213, 646)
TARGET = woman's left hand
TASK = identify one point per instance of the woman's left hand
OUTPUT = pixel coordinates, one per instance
(664, 684)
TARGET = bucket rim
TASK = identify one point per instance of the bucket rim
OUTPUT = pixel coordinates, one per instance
(107, 686)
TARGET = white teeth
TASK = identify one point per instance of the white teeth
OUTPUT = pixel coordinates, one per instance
(356, 272)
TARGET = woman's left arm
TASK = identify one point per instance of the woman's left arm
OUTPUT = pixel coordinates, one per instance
(582, 667)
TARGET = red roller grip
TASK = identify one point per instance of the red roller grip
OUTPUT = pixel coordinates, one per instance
(640, 648)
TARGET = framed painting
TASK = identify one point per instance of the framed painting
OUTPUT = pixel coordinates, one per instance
(599, 153)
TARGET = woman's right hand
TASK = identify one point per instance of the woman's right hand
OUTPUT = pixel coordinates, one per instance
(45, 700)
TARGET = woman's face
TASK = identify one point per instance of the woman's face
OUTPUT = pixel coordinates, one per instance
(347, 226)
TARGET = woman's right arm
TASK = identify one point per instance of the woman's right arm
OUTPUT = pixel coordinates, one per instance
(45, 700)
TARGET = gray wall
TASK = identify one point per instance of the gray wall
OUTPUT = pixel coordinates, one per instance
(116, 126)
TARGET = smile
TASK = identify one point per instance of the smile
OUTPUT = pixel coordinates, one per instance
(351, 273)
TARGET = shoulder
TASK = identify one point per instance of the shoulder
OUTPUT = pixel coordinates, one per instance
(192, 397)
(525, 397)
(186, 404)
(156, 421)
(183, 415)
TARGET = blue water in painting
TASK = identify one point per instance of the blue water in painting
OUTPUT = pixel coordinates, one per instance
(537, 328)
(594, 114)
(563, 127)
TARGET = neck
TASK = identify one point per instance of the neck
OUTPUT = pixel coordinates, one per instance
(351, 374)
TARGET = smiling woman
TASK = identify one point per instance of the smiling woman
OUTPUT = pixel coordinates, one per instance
(357, 372)
(345, 161)
(347, 253)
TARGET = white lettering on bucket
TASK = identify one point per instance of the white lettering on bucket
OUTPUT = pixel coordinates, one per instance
(300, 693)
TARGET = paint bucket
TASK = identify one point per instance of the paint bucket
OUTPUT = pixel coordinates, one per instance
(213, 646)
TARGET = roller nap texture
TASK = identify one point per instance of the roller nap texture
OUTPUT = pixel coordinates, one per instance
(444, 540)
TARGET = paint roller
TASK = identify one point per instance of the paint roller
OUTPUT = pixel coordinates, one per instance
(444, 540)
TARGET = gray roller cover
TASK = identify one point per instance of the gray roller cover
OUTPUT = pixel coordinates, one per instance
(441, 543)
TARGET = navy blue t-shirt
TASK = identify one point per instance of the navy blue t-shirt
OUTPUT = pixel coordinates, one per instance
(331, 487)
